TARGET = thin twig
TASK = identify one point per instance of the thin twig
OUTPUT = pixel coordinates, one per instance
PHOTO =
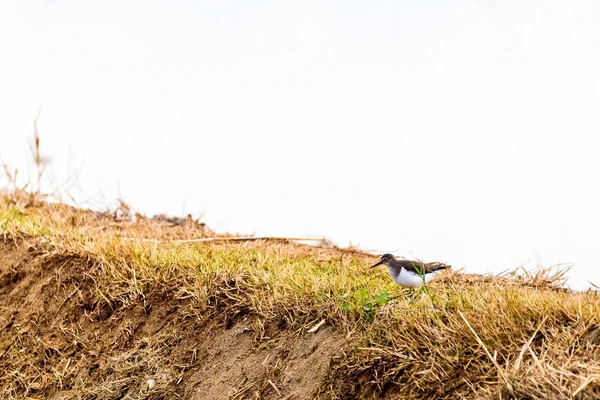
(527, 345)
(228, 239)
(584, 385)
(506, 381)
(316, 327)
(274, 387)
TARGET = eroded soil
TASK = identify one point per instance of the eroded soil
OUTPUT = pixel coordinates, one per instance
(59, 339)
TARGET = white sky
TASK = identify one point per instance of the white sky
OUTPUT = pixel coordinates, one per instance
(462, 131)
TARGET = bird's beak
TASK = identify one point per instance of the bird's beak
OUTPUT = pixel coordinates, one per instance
(378, 264)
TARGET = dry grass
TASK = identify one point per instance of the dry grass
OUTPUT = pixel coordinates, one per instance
(497, 337)
(521, 335)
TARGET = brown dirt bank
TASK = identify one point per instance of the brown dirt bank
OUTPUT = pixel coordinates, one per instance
(59, 341)
(93, 307)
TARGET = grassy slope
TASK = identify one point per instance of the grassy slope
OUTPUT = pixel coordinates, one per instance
(468, 336)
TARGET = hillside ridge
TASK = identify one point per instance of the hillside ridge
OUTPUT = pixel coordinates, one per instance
(87, 314)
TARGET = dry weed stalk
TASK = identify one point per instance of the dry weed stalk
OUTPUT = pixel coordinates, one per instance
(40, 162)
(31, 191)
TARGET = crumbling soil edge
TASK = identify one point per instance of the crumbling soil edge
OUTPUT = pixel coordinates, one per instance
(59, 339)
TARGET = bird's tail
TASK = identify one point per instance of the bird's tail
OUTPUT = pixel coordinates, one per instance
(439, 265)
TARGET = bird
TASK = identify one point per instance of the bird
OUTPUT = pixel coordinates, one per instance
(408, 273)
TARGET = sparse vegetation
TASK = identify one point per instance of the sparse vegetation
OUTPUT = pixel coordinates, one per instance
(523, 338)
(92, 309)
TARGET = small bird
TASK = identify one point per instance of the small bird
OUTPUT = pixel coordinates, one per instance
(410, 274)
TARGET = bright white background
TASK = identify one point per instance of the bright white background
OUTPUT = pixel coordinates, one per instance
(464, 131)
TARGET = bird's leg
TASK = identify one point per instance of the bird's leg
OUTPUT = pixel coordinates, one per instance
(412, 294)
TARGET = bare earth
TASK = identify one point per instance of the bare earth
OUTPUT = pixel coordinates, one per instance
(45, 305)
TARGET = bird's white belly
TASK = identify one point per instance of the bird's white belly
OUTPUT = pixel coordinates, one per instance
(410, 279)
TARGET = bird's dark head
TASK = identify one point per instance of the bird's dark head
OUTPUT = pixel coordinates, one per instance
(385, 259)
